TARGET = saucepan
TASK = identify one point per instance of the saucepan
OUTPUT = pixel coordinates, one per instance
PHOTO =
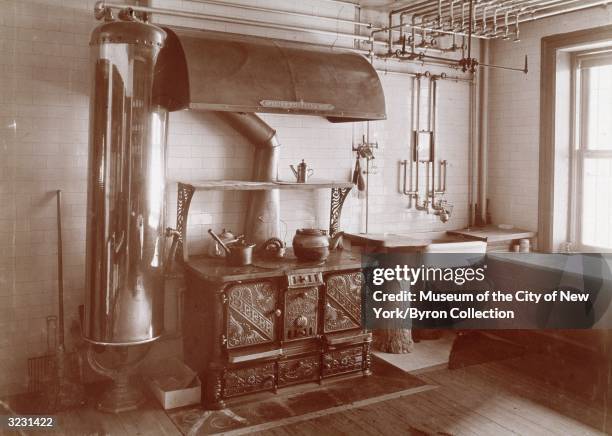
(239, 253)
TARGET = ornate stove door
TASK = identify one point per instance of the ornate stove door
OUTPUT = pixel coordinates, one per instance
(251, 314)
(343, 302)
(301, 307)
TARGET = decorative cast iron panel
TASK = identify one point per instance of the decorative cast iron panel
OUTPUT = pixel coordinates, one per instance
(246, 380)
(341, 361)
(338, 195)
(301, 313)
(343, 302)
(298, 370)
(183, 201)
(250, 317)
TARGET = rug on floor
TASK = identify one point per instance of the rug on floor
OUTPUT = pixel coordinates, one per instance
(385, 383)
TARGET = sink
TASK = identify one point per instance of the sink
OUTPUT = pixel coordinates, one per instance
(441, 242)
(448, 251)
(452, 251)
(427, 242)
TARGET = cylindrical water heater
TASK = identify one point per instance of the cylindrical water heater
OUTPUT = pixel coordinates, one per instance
(126, 187)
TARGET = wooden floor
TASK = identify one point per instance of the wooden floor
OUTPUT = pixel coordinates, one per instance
(487, 399)
(495, 398)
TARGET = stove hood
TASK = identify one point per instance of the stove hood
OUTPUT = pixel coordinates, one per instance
(205, 70)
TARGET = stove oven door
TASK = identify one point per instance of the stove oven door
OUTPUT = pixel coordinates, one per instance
(301, 310)
(252, 314)
(342, 301)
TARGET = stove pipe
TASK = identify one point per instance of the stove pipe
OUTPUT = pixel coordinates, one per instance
(263, 212)
(126, 188)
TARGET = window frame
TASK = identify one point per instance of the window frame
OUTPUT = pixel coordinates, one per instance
(581, 63)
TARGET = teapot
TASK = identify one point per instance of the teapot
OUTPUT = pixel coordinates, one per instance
(227, 237)
(314, 244)
(302, 173)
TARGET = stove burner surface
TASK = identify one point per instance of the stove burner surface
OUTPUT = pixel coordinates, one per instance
(286, 262)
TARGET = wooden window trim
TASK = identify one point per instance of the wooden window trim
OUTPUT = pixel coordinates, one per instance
(550, 46)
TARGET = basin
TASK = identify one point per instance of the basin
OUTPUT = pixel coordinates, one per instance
(434, 242)
(441, 242)
(444, 250)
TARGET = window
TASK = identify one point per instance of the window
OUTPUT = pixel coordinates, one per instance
(592, 153)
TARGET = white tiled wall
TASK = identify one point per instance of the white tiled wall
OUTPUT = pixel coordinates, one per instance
(514, 117)
(44, 84)
(44, 87)
(202, 147)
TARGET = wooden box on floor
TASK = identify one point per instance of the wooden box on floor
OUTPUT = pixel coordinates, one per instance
(178, 398)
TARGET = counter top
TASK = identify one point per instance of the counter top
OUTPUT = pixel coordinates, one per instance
(216, 270)
(383, 240)
(493, 233)
(411, 241)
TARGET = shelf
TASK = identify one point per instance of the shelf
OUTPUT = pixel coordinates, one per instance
(243, 185)
(339, 192)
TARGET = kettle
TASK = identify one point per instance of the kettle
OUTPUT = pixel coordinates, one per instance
(227, 237)
(302, 173)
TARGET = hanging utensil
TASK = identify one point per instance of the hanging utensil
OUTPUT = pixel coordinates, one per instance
(361, 185)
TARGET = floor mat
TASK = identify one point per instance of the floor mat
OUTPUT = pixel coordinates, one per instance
(300, 404)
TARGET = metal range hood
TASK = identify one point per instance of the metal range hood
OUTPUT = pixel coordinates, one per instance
(235, 73)
(237, 76)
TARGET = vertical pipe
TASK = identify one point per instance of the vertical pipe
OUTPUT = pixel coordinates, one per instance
(390, 33)
(471, 157)
(433, 89)
(411, 157)
(483, 134)
(367, 196)
(60, 271)
(416, 135)
(263, 211)
(470, 30)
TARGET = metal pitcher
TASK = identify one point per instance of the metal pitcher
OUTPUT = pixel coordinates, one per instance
(302, 173)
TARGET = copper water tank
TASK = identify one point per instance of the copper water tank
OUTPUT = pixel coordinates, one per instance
(126, 187)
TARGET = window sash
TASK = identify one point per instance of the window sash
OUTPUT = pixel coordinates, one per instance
(585, 64)
(581, 151)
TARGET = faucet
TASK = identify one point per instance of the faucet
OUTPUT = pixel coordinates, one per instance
(443, 209)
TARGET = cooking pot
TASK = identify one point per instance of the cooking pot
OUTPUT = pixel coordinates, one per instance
(314, 244)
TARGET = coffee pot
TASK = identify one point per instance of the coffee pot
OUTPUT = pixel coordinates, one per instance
(302, 173)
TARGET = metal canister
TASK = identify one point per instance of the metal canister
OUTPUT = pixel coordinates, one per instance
(125, 236)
